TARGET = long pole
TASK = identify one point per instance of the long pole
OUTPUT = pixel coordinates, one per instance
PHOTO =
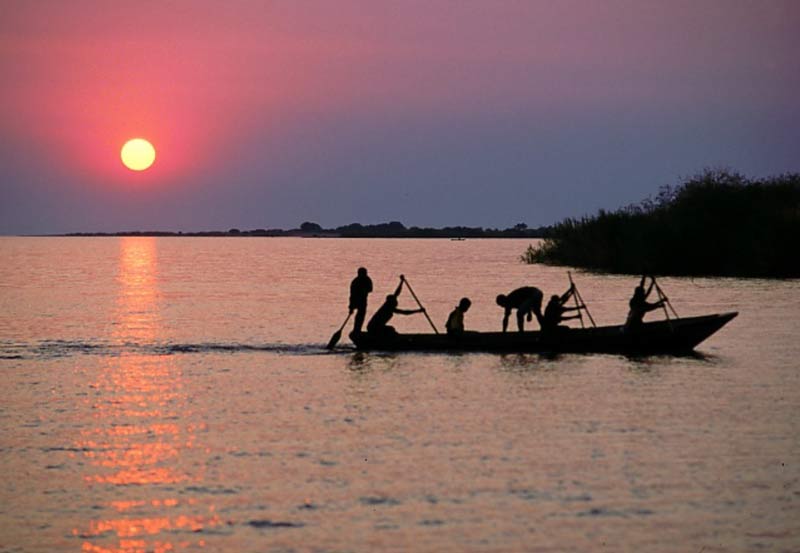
(583, 304)
(575, 297)
(579, 298)
(664, 301)
(433, 326)
(664, 306)
(663, 296)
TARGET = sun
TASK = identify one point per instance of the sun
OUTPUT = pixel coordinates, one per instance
(137, 154)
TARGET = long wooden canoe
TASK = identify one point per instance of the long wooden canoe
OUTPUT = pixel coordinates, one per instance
(674, 336)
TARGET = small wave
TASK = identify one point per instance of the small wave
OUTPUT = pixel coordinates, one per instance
(217, 490)
(292, 349)
(378, 500)
(51, 349)
(275, 524)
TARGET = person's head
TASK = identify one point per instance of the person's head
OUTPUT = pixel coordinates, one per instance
(391, 299)
(464, 304)
(362, 272)
(554, 299)
(638, 292)
(501, 300)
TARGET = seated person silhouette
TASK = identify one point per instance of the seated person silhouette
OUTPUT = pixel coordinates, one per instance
(525, 300)
(554, 312)
(455, 321)
(639, 306)
(378, 324)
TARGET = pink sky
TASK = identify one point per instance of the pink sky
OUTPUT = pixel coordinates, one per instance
(260, 92)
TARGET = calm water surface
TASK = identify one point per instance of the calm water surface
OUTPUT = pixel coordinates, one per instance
(173, 394)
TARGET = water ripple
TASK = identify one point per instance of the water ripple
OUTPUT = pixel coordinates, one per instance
(52, 349)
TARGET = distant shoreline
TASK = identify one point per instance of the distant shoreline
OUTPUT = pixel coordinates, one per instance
(356, 230)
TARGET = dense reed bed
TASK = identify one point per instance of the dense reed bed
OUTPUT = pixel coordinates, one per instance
(716, 223)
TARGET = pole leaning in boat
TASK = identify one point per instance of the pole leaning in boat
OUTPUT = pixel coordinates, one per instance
(424, 312)
(662, 297)
(579, 303)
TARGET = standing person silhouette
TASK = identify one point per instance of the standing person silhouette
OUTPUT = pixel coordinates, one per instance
(359, 290)
(525, 300)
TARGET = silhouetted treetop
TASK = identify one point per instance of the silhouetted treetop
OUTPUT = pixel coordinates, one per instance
(310, 227)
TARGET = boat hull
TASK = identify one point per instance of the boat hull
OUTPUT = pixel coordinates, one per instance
(675, 336)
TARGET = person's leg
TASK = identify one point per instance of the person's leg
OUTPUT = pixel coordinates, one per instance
(537, 309)
(361, 313)
(523, 311)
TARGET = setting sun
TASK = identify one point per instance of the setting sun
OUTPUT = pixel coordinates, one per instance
(138, 154)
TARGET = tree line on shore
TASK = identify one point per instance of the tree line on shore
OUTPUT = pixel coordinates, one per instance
(394, 229)
(717, 223)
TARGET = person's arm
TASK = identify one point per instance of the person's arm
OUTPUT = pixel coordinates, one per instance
(568, 317)
(567, 295)
(409, 311)
(506, 315)
(400, 286)
(653, 306)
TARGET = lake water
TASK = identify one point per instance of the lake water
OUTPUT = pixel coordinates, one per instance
(174, 394)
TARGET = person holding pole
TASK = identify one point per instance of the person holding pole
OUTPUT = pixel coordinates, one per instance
(378, 324)
(639, 306)
(555, 311)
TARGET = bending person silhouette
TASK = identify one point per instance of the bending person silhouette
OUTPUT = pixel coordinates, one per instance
(378, 324)
(554, 312)
(359, 290)
(639, 306)
(455, 322)
(525, 300)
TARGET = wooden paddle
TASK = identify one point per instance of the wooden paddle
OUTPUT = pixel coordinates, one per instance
(338, 334)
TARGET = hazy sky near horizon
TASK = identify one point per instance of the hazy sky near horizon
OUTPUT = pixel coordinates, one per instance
(433, 113)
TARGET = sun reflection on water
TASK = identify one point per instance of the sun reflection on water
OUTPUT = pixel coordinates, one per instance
(136, 445)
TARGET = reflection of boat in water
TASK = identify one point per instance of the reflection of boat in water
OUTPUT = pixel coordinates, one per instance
(671, 336)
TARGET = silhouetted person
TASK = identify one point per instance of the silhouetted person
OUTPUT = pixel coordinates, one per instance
(378, 324)
(455, 322)
(639, 305)
(359, 290)
(554, 312)
(525, 300)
